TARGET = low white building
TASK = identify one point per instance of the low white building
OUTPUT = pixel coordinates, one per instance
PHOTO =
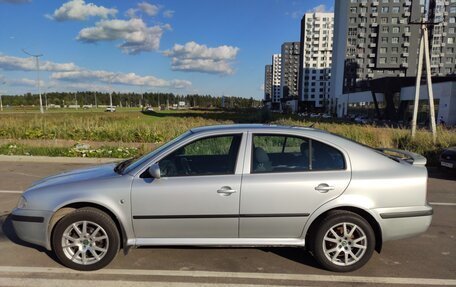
(444, 92)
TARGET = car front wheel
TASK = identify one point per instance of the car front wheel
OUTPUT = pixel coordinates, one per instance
(343, 241)
(86, 239)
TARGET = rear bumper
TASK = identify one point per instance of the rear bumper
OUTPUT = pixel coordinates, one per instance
(404, 222)
(31, 226)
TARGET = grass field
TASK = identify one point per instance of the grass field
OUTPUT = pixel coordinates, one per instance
(130, 127)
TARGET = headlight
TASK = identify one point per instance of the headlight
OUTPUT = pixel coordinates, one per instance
(22, 203)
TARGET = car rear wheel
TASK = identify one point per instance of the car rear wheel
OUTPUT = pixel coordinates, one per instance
(343, 241)
(86, 239)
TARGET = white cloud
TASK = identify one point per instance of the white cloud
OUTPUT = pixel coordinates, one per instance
(149, 9)
(11, 63)
(79, 10)
(136, 35)
(193, 57)
(319, 9)
(119, 78)
(24, 82)
(168, 14)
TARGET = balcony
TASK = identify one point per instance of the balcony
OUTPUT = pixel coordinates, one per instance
(374, 24)
(374, 3)
(407, 3)
(361, 45)
(371, 55)
(406, 14)
(371, 65)
(407, 34)
(373, 45)
(361, 34)
(447, 3)
(404, 65)
(401, 74)
(406, 44)
(373, 35)
(370, 75)
(362, 24)
(363, 3)
(405, 54)
(374, 14)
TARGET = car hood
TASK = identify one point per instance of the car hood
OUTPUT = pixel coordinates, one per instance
(82, 174)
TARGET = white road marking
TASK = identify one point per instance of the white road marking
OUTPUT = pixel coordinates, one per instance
(23, 282)
(443, 203)
(230, 275)
(11, 191)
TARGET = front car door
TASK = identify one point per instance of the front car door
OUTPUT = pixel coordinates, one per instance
(287, 177)
(198, 193)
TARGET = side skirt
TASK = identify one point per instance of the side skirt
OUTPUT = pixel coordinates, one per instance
(298, 242)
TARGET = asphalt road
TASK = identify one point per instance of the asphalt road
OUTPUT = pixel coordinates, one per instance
(429, 259)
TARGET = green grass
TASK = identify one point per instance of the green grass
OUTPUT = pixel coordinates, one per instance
(132, 126)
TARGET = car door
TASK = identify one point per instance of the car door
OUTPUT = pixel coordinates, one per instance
(197, 195)
(285, 179)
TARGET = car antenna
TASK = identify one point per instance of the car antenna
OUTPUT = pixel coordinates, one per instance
(316, 122)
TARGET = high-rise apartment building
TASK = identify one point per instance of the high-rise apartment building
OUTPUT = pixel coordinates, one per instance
(443, 37)
(276, 78)
(376, 39)
(315, 59)
(290, 74)
(267, 83)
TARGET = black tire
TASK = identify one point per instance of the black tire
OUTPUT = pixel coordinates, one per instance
(335, 219)
(108, 228)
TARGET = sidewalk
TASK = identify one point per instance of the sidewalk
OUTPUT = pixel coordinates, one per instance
(83, 160)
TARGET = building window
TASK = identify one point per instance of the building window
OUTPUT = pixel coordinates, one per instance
(394, 50)
(385, 40)
(383, 50)
(385, 29)
(394, 20)
(382, 60)
(395, 40)
(394, 60)
(384, 20)
(450, 40)
(395, 29)
(385, 9)
(395, 9)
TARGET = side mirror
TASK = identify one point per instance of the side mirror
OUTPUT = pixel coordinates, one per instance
(154, 171)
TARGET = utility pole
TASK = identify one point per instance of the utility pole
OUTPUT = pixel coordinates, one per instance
(38, 75)
(1, 103)
(111, 92)
(424, 45)
(45, 96)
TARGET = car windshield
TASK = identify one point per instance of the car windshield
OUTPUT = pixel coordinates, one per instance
(130, 164)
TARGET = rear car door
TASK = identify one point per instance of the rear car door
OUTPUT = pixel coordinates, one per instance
(286, 178)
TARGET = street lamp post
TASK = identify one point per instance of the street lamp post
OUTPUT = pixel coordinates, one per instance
(38, 75)
(45, 96)
(110, 94)
(1, 103)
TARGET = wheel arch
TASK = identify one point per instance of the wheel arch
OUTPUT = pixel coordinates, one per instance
(70, 207)
(359, 211)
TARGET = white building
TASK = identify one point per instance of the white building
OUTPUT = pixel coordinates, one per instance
(444, 96)
(276, 78)
(316, 58)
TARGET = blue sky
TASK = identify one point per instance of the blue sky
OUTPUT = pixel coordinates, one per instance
(181, 46)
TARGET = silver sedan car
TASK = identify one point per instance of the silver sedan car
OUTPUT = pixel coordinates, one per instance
(233, 185)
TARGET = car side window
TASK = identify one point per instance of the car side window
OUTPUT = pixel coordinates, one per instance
(284, 153)
(207, 156)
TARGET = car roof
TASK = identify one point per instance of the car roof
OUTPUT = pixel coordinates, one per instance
(245, 127)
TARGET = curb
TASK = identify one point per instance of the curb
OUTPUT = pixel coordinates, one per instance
(57, 159)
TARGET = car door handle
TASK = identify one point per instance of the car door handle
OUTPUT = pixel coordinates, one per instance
(323, 187)
(226, 190)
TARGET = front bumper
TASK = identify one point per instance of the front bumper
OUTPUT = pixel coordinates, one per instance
(404, 222)
(32, 226)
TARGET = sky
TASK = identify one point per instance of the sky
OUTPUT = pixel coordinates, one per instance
(217, 47)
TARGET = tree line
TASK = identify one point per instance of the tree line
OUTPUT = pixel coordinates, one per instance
(128, 100)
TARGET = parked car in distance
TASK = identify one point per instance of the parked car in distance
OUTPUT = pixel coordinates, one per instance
(233, 185)
(110, 109)
(448, 158)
